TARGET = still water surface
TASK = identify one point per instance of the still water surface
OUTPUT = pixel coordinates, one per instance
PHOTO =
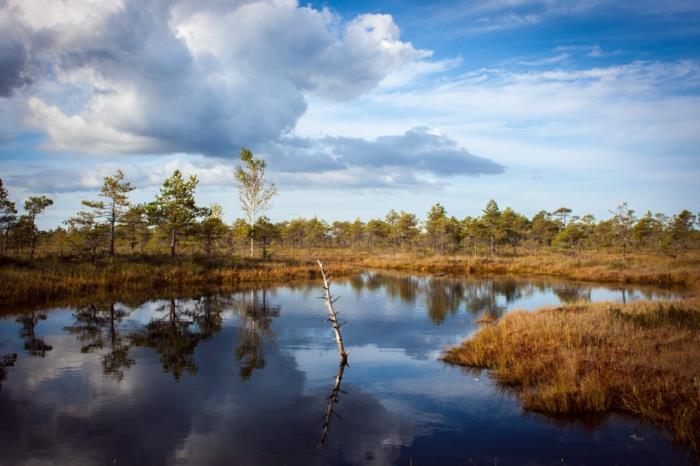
(246, 378)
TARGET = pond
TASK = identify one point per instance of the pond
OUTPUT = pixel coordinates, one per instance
(250, 377)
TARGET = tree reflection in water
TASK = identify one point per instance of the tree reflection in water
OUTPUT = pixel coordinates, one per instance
(174, 336)
(6, 361)
(572, 293)
(256, 319)
(208, 314)
(332, 401)
(444, 296)
(97, 326)
(33, 344)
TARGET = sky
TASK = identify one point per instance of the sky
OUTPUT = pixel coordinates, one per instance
(358, 107)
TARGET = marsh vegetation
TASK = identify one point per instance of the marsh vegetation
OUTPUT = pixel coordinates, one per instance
(254, 374)
(638, 358)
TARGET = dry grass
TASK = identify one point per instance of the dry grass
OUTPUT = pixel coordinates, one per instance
(49, 279)
(639, 269)
(641, 358)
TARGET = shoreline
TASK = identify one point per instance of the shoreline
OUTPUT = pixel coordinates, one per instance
(52, 278)
(557, 360)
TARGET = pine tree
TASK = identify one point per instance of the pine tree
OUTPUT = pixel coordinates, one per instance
(34, 206)
(175, 208)
(115, 191)
(8, 216)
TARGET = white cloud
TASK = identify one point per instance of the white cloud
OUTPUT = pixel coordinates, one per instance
(550, 117)
(206, 78)
(197, 77)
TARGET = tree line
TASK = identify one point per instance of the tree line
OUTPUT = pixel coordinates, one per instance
(174, 222)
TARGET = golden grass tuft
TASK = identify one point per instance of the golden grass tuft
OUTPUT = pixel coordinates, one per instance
(641, 358)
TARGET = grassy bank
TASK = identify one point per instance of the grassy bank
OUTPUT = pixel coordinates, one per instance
(641, 358)
(591, 266)
(48, 279)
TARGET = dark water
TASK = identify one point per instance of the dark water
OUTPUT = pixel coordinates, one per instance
(246, 378)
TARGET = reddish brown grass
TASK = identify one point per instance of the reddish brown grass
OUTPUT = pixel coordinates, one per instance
(641, 358)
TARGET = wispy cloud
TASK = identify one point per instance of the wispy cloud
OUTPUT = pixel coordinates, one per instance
(599, 116)
(545, 61)
(414, 159)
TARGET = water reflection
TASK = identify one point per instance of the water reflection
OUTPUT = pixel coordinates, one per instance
(208, 313)
(332, 401)
(265, 403)
(33, 344)
(96, 327)
(6, 361)
(174, 336)
(445, 296)
(571, 294)
(256, 315)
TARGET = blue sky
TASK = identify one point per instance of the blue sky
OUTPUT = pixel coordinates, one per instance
(358, 107)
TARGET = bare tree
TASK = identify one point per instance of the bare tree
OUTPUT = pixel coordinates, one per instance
(254, 191)
(333, 314)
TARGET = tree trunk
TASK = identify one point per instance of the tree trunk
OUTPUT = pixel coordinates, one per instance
(113, 220)
(333, 315)
(7, 240)
(173, 241)
(252, 246)
(33, 226)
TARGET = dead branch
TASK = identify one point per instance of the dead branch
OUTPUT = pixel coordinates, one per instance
(332, 314)
(332, 400)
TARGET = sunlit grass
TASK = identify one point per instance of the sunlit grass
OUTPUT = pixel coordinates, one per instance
(642, 269)
(641, 358)
(51, 278)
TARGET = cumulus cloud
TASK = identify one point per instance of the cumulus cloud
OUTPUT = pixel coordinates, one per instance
(13, 55)
(180, 76)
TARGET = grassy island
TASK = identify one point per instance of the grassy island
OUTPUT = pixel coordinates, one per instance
(640, 358)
